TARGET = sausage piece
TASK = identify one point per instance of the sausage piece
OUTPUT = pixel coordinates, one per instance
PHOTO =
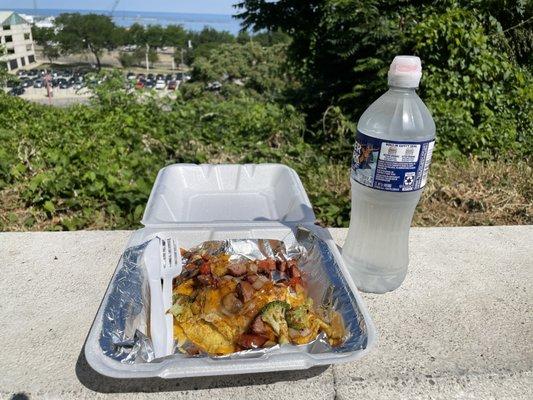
(237, 269)
(258, 326)
(205, 268)
(266, 265)
(251, 341)
(245, 291)
(208, 280)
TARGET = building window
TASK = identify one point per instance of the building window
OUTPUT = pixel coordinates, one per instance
(13, 64)
(28, 47)
(8, 39)
(22, 61)
(10, 51)
(26, 36)
(6, 27)
(31, 59)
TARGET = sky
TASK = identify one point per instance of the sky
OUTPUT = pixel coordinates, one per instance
(183, 6)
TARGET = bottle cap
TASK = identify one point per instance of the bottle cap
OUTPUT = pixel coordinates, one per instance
(405, 71)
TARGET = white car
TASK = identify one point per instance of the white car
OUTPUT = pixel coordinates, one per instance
(160, 84)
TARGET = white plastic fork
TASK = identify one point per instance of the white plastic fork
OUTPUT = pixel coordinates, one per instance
(157, 311)
(170, 268)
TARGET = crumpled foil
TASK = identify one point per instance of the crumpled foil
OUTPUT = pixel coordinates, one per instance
(125, 336)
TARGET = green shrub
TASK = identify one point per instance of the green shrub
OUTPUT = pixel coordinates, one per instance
(480, 100)
(104, 158)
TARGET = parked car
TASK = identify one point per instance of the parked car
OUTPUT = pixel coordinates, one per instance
(160, 84)
(214, 86)
(131, 76)
(26, 83)
(17, 91)
(139, 85)
(168, 78)
(150, 84)
(38, 83)
(33, 73)
(22, 73)
(150, 76)
(172, 85)
(65, 83)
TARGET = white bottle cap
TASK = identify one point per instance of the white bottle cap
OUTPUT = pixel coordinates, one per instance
(405, 71)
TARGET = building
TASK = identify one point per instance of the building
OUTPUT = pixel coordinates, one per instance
(17, 41)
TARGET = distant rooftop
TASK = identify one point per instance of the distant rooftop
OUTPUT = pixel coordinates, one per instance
(11, 18)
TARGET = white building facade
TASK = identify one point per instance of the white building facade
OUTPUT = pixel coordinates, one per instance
(17, 41)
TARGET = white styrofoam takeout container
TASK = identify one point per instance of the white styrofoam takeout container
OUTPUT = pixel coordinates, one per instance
(196, 203)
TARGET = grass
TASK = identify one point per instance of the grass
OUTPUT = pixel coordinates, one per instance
(466, 193)
(477, 193)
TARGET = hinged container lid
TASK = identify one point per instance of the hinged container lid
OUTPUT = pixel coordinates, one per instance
(227, 193)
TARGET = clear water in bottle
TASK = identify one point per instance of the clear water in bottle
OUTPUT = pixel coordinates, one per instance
(392, 154)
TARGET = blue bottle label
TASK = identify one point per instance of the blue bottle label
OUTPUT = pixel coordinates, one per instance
(389, 165)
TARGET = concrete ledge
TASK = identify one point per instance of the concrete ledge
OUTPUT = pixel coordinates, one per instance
(460, 326)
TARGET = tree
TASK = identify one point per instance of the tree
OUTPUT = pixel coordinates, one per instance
(148, 40)
(136, 34)
(47, 39)
(155, 36)
(203, 42)
(92, 32)
(4, 76)
(337, 46)
(210, 35)
(250, 66)
(271, 38)
(175, 36)
(341, 49)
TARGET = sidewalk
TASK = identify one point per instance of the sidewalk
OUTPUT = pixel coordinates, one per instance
(460, 327)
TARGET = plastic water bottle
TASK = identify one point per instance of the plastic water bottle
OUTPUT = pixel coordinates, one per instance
(392, 154)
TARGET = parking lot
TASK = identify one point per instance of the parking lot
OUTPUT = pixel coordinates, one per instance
(69, 86)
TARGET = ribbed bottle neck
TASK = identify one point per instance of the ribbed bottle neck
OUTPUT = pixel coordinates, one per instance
(399, 89)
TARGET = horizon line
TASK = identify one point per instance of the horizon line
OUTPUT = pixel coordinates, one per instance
(108, 11)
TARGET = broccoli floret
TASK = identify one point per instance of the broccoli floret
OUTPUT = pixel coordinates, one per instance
(274, 314)
(298, 318)
(180, 302)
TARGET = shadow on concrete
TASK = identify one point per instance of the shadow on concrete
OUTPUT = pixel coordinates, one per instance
(103, 384)
(19, 396)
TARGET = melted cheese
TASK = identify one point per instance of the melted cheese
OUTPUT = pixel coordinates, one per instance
(206, 324)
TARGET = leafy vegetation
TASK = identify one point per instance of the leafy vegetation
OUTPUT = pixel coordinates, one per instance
(477, 81)
(77, 33)
(80, 32)
(291, 94)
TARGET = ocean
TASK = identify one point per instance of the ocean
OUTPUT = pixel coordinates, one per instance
(195, 22)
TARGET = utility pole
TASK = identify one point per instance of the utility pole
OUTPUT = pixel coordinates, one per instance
(173, 60)
(146, 58)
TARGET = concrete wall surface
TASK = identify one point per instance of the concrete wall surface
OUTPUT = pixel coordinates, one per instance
(460, 327)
